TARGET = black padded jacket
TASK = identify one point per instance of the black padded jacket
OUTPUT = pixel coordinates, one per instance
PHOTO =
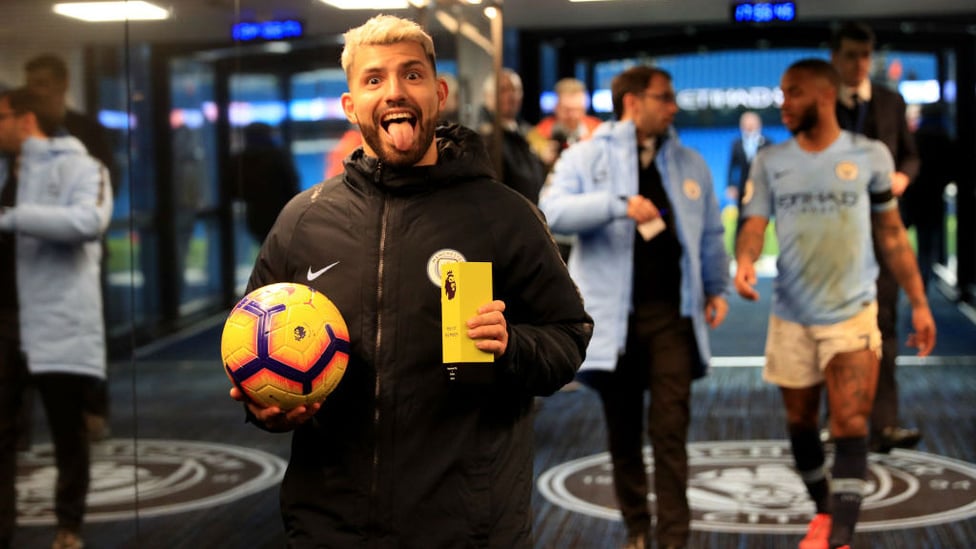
(399, 456)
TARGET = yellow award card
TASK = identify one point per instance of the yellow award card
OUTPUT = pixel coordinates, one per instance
(465, 286)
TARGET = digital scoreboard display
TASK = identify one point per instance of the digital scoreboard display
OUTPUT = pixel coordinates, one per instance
(764, 12)
(249, 31)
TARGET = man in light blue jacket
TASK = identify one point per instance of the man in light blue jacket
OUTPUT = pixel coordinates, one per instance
(55, 205)
(651, 264)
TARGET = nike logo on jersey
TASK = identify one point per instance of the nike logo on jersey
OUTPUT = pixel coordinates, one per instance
(781, 173)
(312, 275)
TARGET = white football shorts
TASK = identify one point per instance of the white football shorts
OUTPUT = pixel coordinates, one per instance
(797, 354)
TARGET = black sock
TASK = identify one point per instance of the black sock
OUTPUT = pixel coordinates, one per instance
(808, 454)
(847, 487)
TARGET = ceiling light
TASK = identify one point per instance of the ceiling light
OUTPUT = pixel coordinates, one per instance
(368, 4)
(135, 10)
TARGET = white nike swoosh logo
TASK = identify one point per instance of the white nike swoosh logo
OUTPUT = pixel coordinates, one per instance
(312, 275)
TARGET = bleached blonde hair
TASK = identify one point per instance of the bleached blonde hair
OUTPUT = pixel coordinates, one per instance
(385, 30)
(567, 86)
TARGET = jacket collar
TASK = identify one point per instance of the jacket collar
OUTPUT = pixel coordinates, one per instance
(461, 155)
(624, 134)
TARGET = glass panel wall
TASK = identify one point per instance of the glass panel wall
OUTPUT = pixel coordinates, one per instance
(179, 103)
(194, 190)
(80, 76)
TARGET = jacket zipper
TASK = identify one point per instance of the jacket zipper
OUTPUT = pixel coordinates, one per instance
(374, 481)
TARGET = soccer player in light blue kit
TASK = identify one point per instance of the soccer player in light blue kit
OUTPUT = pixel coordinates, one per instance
(824, 187)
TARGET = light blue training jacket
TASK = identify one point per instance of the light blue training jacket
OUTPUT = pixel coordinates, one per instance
(64, 204)
(586, 196)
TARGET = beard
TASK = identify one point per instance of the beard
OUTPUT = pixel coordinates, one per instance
(374, 135)
(809, 119)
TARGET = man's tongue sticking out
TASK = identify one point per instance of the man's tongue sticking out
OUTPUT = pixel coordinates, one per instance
(402, 133)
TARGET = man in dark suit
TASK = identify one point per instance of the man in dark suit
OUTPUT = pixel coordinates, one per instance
(744, 149)
(923, 205)
(521, 168)
(878, 113)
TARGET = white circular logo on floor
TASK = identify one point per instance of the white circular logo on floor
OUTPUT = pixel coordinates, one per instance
(172, 476)
(751, 486)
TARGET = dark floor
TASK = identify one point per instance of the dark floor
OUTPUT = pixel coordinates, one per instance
(741, 491)
(734, 404)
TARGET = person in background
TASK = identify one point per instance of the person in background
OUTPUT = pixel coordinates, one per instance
(651, 264)
(521, 169)
(399, 455)
(55, 205)
(189, 177)
(922, 205)
(744, 149)
(830, 192)
(878, 113)
(264, 176)
(568, 124)
(350, 140)
(452, 107)
(47, 76)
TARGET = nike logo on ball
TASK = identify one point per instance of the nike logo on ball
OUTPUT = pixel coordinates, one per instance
(312, 275)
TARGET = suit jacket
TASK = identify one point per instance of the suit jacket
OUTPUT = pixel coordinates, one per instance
(739, 163)
(522, 169)
(885, 121)
(922, 202)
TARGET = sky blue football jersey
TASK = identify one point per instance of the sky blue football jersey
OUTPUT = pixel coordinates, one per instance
(822, 205)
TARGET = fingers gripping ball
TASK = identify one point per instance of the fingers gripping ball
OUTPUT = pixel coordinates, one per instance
(285, 345)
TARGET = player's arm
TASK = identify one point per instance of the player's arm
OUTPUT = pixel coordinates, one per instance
(757, 209)
(893, 248)
(537, 328)
(272, 266)
(748, 246)
(896, 252)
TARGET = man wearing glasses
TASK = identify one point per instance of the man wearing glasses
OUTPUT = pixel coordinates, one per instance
(652, 268)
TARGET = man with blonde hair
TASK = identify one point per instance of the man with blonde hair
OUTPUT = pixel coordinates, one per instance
(401, 454)
(568, 124)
